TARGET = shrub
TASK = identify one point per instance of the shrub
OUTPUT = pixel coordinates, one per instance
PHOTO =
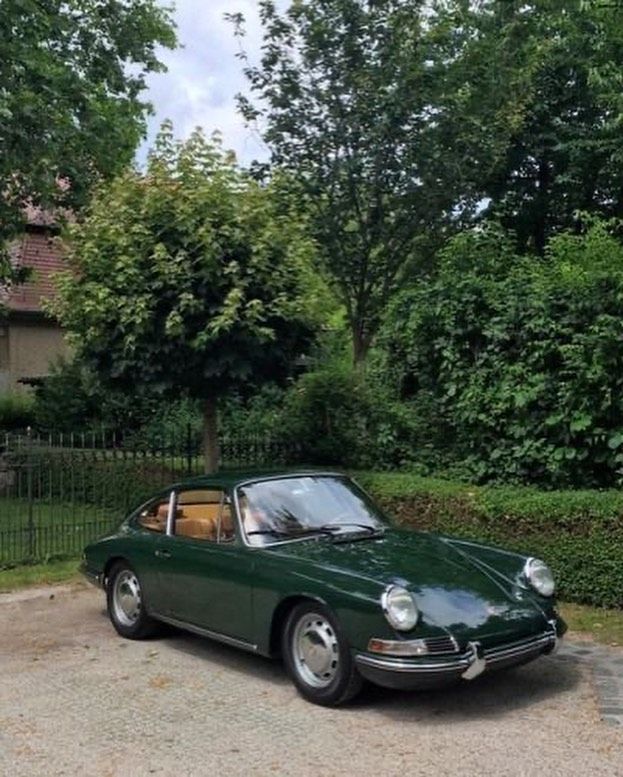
(258, 415)
(519, 360)
(72, 399)
(17, 411)
(327, 412)
(579, 533)
(169, 425)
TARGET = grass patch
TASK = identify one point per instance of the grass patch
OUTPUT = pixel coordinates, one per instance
(50, 529)
(605, 626)
(16, 513)
(39, 574)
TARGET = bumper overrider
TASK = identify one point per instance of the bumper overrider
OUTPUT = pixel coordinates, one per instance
(433, 671)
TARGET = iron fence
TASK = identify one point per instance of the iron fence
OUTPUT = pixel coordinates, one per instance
(59, 491)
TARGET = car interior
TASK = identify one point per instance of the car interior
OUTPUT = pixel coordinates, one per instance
(200, 514)
(154, 517)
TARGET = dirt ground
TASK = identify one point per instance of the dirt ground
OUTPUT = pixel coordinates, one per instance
(76, 699)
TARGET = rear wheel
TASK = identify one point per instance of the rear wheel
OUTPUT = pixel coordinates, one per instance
(124, 598)
(317, 656)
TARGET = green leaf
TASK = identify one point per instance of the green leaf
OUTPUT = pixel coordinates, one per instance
(580, 422)
(615, 441)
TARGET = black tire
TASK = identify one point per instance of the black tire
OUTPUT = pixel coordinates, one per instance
(138, 625)
(329, 676)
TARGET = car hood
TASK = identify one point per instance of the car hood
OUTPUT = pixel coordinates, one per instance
(453, 588)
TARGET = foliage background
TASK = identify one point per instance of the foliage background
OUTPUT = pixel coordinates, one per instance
(72, 108)
(442, 204)
(519, 360)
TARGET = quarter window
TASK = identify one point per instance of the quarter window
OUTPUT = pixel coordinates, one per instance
(154, 516)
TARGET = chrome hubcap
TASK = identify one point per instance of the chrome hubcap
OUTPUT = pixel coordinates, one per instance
(126, 598)
(315, 650)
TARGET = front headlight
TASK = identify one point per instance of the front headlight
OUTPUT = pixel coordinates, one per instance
(399, 608)
(539, 576)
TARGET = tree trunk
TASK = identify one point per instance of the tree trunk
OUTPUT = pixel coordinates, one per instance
(360, 347)
(211, 450)
(539, 234)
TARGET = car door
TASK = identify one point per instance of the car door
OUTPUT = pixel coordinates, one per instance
(148, 546)
(206, 572)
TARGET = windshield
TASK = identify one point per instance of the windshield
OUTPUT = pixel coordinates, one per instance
(288, 508)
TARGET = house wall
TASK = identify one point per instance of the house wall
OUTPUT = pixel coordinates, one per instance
(27, 348)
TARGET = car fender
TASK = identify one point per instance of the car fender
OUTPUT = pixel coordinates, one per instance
(278, 588)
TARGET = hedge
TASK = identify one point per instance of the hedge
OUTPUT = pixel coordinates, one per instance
(579, 533)
(96, 477)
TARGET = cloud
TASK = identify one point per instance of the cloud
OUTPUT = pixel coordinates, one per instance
(205, 75)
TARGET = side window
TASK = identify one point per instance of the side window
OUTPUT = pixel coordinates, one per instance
(204, 514)
(154, 516)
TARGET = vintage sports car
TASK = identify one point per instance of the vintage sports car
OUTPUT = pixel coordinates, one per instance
(305, 566)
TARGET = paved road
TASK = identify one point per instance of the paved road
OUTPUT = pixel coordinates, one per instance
(75, 699)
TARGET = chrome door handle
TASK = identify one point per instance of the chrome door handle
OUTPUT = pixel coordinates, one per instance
(162, 553)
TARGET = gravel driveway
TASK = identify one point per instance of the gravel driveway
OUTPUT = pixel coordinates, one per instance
(75, 699)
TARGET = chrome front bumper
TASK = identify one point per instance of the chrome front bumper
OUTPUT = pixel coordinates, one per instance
(428, 671)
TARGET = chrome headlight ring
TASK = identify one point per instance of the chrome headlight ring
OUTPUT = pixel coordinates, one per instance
(399, 608)
(539, 577)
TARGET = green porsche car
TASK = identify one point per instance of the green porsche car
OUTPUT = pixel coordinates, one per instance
(303, 565)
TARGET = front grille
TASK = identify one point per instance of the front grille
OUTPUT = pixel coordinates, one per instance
(441, 645)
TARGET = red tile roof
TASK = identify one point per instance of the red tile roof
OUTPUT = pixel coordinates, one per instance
(37, 251)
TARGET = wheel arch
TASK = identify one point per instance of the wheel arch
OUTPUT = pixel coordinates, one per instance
(110, 562)
(280, 615)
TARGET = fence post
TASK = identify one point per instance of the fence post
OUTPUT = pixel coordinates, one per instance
(189, 456)
(30, 494)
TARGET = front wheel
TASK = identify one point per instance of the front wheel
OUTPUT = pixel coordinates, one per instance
(317, 656)
(124, 599)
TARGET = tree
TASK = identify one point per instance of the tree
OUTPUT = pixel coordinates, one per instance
(189, 280)
(345, 97)
(517, 360)
(71, 77)
(535, 91)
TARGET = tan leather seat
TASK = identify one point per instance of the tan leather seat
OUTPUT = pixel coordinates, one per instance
(200, 511)
(158, 521)
(197, 528)
(200, 521)
(152, 523)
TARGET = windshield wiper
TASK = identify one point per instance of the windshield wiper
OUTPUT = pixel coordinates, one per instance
(334, 527)
(338, 534)
(294, 532)
(329, 529)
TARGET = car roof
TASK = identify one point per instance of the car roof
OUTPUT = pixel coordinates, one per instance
(231, 478)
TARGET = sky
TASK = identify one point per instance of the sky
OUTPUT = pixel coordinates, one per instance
(204, 76)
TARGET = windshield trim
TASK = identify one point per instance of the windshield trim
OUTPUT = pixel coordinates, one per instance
(289, 476)
(293, 475)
